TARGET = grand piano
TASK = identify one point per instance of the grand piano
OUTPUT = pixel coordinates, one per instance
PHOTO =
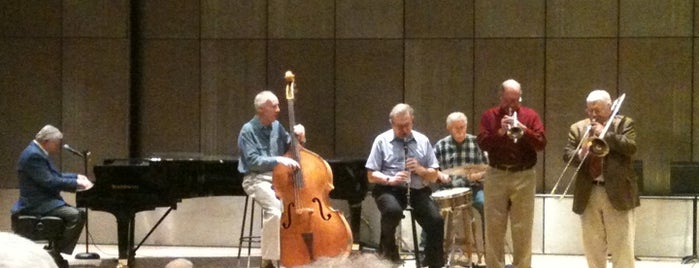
(124, 187)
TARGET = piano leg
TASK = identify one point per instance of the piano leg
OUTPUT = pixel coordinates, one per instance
(356, 218)
(125, 236)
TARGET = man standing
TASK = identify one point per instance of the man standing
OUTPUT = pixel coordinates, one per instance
(512, 135)
(40, 186)
(401, 164)
(262, 142)
(606, 193)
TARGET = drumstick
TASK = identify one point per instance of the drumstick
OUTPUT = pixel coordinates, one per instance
(466, 169)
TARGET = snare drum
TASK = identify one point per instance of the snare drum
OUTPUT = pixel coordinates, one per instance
(454, 198)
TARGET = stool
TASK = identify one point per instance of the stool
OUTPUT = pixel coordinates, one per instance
(416, 245)
(41, 228)
(249, 238)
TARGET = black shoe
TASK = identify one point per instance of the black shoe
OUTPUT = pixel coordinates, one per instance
(58, 259)
(267, 264)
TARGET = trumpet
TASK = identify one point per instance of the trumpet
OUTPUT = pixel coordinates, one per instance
(514, 131)
(596, 145)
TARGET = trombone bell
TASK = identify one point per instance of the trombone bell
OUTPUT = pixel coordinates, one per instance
(598, 147)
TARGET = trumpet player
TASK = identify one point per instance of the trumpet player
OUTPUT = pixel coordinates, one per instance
(606, 192)
(511, 184)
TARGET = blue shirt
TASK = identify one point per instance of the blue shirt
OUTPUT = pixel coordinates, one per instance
(388, 155)
(260, 145)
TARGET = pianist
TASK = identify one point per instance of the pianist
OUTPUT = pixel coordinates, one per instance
(262, 142)
(40, 184)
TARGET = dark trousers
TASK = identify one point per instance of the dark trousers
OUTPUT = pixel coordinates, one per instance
(74, 221)
(391, 201)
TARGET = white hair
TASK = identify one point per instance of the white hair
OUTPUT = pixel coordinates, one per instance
(262, 97)
(179, 263)
(352, 261)
(599, 95)
(511, 83)
(48, 132)
(456, 116)
(399, 109)
(19, 252)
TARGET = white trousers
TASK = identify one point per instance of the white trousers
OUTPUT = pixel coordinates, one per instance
(259, 187)
(607, 230)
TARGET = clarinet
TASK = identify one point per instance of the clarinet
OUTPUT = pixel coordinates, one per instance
(405, 154)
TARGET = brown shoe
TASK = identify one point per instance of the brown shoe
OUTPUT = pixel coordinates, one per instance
(267, 264)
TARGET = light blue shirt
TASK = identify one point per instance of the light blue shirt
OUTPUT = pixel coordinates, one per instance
(388, 155)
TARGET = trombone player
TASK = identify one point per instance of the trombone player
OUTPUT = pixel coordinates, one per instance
(605, 192)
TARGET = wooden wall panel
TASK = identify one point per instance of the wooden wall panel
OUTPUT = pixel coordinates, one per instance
(33, 18)
(170, 19)
(573, 69)
(170, 104)
(652, 18)
(438, 19)
(30, 81)
(233, 19)
(233, 72)
(312, 63)
(438, 81)
(598, 18)
(509, 18)
(658, 91)
(369, 83)
(102, 18)
(301, 19)
(96, 99)
(369, 19)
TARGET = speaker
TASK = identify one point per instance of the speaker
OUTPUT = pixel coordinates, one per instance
(684, 177)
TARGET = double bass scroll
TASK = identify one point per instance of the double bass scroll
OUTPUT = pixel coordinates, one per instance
(310, 227)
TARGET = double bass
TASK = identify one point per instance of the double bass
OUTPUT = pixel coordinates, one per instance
(310, 228)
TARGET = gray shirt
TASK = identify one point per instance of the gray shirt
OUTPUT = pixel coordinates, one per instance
(388, 155)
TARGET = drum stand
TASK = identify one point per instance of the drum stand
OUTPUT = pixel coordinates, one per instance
(448, 214)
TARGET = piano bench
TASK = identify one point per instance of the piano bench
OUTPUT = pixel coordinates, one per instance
(38, 228)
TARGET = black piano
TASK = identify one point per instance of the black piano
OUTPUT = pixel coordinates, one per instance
(124, 187)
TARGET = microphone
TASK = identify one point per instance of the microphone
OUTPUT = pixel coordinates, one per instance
(76, 152)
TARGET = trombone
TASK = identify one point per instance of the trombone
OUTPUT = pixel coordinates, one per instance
(597, 146)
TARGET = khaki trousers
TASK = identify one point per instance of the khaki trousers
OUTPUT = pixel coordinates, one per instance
(605, 229)
(259, 187)
(509, 196)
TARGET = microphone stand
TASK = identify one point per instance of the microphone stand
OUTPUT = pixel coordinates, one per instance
(87, 255)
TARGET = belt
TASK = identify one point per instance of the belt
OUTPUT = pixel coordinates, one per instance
(512, 168)
(598, 183)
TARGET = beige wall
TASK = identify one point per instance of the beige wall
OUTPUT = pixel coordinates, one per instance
(68, 63)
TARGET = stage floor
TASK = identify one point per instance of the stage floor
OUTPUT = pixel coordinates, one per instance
(158, 256)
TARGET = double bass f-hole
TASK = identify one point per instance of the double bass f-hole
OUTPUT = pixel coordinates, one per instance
(320, 208)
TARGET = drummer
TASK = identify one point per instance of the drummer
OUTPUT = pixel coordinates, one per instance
(459, 149)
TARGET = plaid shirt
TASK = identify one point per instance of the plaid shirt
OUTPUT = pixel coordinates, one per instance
(450, 154)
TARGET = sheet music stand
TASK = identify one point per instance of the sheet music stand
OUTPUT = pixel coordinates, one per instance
(684, 180)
